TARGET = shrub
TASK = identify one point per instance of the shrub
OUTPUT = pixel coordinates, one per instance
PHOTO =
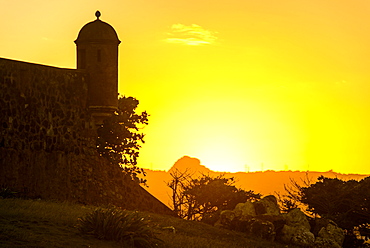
(119, 225)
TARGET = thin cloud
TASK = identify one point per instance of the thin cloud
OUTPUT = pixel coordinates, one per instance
(193, 35)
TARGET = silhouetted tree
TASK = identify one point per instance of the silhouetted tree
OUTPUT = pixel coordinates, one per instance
(293, 194)
(180, 180)
(345, 202)
(205, 197)
(119, 138)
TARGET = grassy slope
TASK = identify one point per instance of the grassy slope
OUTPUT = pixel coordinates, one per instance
(30, 223)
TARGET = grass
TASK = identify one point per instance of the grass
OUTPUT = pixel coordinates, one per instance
(127, 227)
(37, 223)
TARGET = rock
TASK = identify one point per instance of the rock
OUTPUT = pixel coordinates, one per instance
(297, 229)
(244, 211)
(317, 224)
(267, 205)
(332, 232)
(297, 235)
(169, 228)
(261, 229)
(263, 220)
(303, 238)
(326, 243)
(297, 218)
(328, 233)
(277, 220)
(226, 219)
(287, 234)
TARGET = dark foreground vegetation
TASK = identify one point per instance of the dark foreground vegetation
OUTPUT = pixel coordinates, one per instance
(38, 223)
(347, 203)
(333, 205)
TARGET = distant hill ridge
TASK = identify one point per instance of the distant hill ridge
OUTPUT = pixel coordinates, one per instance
(264, 182)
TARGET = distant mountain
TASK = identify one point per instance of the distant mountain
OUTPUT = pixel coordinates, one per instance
(192, 165)
(264, 182)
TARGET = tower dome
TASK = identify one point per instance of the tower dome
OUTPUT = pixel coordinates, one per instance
(97, 31)
(97, 54)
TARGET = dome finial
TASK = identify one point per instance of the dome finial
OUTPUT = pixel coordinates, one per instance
(97, 14)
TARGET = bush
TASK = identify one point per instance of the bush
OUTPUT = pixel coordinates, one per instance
(119, 225)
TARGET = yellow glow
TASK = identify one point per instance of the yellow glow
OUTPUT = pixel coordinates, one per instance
(237, 84)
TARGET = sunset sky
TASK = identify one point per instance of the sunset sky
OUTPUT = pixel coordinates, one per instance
(239, 84)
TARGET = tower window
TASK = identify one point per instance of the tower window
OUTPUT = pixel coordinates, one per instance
(99, 55)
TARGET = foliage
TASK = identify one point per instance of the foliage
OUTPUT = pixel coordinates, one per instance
(345, 202)
(119, 138)
(292, 198)
(122, 226)
(205, 197)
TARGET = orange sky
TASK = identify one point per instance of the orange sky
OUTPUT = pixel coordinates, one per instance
(239, 84)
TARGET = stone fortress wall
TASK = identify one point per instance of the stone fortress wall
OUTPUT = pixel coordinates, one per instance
(47, 140)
